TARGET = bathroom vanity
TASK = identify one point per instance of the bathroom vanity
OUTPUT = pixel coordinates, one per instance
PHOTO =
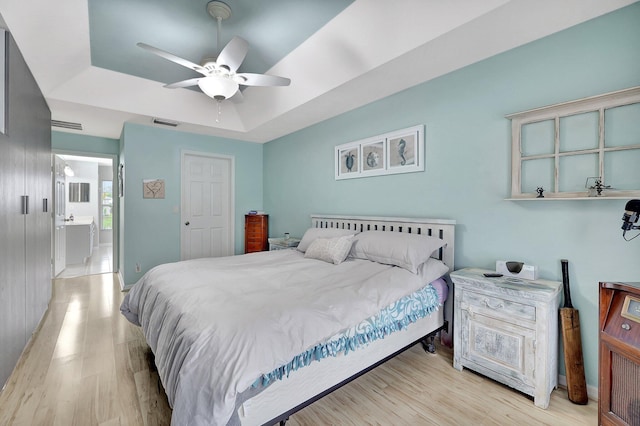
(80, 235)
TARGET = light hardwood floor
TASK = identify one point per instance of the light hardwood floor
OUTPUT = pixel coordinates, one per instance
(100, 262)
(87, 365)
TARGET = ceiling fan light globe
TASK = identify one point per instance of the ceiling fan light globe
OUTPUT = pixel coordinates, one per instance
(219, 88)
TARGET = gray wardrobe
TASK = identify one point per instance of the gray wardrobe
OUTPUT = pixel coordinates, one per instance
(25, 208)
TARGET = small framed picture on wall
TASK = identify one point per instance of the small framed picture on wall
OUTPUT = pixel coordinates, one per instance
(347, 161)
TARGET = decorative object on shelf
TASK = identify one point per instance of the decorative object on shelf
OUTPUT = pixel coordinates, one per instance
(630, 217)
(401, 151)
(598, 186)
(517, 270)
(153, 188)
(540, 191)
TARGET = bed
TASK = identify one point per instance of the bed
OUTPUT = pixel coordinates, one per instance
(252, 339)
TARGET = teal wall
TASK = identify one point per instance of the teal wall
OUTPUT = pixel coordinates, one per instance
(61, 141)
(467, 177)
(150, 231)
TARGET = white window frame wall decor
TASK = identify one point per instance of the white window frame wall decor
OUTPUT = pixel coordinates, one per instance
(558, 123)
(401, 151)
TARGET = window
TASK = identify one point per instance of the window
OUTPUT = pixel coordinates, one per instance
(584, 148)
(106, 204)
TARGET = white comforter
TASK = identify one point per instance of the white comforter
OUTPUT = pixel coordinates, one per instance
(215, 325)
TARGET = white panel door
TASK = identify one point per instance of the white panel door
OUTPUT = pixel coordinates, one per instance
(59, 225)
(207, 206)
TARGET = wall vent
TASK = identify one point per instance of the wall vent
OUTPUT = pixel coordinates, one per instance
(165, 122)
(66, 125)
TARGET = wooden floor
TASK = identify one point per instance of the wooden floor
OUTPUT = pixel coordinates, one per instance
(88, 366)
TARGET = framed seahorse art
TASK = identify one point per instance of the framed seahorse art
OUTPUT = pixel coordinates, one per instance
(401, 151)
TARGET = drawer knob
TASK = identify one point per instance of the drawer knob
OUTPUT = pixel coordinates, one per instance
(487, 303)
(626, 326)
(187, 223)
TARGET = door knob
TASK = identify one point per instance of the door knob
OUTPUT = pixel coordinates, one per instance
(187, 223)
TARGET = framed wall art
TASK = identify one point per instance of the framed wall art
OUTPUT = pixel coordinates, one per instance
(401, 151)
(153, 188)
(347, 161)
(373, 156)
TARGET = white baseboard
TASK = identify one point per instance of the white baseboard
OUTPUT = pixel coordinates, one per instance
(592, 391)
(123, 286)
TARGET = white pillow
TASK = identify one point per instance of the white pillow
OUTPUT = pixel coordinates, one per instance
(313, 233)
(332, 250)
(407, 251)
(431, 270)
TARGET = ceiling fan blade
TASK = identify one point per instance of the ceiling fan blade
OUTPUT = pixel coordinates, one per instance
(233, 54)
(173, 58)
(237, 97)
(251, 79)
(184, 83)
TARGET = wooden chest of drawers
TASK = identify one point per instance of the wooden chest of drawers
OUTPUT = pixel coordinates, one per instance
(256, 233)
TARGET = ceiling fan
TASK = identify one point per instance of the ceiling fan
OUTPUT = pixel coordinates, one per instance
(220, 79)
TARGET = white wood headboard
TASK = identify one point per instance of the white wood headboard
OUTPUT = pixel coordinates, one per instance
(441, 228)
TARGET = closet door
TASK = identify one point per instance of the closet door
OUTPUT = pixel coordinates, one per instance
(38, 222)
(25, 239)
(12, 253)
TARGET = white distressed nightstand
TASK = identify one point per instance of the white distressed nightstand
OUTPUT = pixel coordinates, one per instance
(507, 329)
(283, 244)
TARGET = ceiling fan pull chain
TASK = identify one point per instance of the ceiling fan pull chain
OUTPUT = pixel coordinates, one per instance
(219, 110)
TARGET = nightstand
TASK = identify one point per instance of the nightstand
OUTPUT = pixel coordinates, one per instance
(507, 329)
(283, 244)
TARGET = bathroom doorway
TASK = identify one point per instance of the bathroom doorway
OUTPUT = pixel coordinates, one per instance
(85, 215)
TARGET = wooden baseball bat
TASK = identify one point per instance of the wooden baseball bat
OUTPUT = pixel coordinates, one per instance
(573, 360)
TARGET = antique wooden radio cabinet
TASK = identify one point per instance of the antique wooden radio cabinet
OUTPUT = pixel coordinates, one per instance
(619, 384)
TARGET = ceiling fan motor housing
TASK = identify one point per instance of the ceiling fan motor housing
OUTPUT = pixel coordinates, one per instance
(219, 10)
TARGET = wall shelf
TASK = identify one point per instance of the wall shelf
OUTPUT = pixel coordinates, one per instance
(566, 198)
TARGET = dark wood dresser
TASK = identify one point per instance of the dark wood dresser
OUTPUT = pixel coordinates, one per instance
(256, 232)
(619, 381)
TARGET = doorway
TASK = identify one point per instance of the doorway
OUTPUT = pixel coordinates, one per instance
(207, 228)
(85, 215)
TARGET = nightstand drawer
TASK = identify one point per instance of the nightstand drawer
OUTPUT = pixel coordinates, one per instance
(497, 307)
